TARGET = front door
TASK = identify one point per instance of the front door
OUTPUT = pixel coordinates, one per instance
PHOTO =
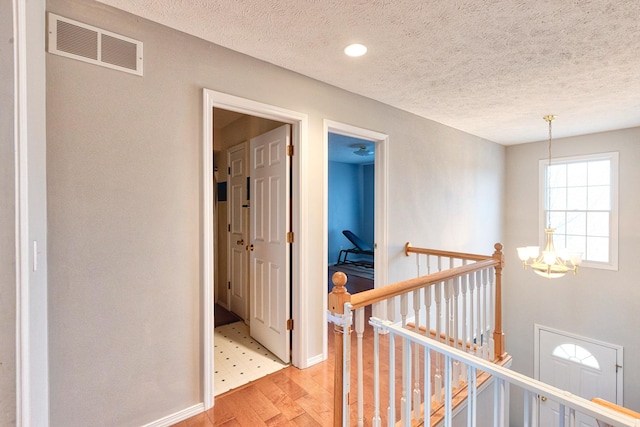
(238, 282)
(584, 367)
(269, 256)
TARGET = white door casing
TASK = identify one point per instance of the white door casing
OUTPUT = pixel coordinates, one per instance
(237, 269)
(32, 349)
(269, 256)
(306, 322)
(381, 186)
(582, 366)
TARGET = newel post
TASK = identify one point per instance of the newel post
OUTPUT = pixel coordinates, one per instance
(337, 299)
(498, 335)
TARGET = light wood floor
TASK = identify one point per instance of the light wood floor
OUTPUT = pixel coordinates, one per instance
(290, 397)
(295, 397)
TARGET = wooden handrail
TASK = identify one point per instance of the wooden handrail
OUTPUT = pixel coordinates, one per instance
(371, 296)
(408, 249)
(615, 407)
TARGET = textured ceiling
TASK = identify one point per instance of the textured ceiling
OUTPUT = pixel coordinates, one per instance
(490, 68)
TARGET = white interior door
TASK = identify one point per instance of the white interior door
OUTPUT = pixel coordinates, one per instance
(581, 366)
(238, 281)
(269, 259)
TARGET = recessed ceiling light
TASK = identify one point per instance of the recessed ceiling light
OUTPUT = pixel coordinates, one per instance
(355, 49)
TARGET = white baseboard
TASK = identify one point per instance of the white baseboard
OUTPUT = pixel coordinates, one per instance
(315, 360)
(176, 417)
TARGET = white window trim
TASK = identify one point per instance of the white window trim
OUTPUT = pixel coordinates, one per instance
(613, 246)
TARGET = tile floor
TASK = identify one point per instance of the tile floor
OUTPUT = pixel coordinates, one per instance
(239, 359)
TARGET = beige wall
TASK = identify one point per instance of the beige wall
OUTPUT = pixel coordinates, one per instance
(124, 210)
(7, 223)
(600, 304)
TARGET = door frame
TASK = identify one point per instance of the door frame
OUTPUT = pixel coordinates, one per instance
(380, 271)
(31, 257)
(299, 139)
(619, 355)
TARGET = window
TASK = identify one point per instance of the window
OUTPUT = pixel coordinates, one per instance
(581, 204)
(576, 354)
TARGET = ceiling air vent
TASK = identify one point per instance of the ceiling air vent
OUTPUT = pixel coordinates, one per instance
(94, 45)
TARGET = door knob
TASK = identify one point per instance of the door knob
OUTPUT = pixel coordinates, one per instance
(250, 248)
(543, 398)
(240, 242)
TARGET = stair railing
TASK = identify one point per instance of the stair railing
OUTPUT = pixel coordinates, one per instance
(501, 378)
(459, 304)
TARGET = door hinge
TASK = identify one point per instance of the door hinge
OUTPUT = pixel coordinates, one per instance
(229, 170)
(229, 285)
(289, 324)
(290, 150)
(290, 237)
(229, 228)
(618, 367)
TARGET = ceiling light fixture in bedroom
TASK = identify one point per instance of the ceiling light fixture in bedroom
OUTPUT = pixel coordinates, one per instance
(551, 263)
(355, 49)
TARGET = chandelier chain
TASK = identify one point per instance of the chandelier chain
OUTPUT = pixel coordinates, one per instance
(549, 119)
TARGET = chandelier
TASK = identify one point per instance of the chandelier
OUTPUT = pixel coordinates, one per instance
(550, 263)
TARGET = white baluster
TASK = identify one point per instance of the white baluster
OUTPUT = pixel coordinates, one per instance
(391, 309)
(472, 396)
(359, 326)
(391, 412)
(346, 366)
(472, 313)
(405, 407)
(437, 378)
(461, 306)
(427, 302)
(406, 368)
(427, 384)
(464, 285)
(526, 419)
(498, 402)
(478, 319)
(447, 312)
(450, 324)
(485, 319)
(404, 309)
(572, 417)
(417, 401)
(376, 421)
(448, 393)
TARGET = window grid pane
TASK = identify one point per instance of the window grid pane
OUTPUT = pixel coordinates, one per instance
(577, 205)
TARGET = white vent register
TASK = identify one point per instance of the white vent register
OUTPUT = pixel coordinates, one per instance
(94, 45)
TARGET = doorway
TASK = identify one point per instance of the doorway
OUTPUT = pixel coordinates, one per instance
(232, 136)
(298, 139)
(378, 143)
(253, 285)
(351, 210)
